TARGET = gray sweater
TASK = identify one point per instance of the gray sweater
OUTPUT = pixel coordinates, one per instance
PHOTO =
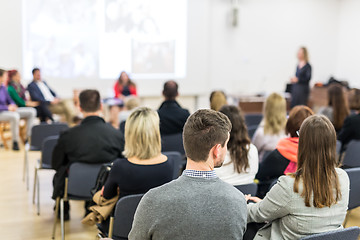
(191, 208)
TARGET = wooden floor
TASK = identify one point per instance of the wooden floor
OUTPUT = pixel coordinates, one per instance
(19, 219)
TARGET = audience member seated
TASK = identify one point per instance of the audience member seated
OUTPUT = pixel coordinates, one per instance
(283, 159)
(130, 104)
(217, 100)
(49, 102)
(272, 127)
(241, 161)
(197, 205)
(337, 109)
(351, 128)
(124, 86)
(144, 167)
(9, 112)
(312, 200)
(93, 141)
(172, 115)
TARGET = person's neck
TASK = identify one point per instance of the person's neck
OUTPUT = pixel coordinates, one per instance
(91, 114)
(199, 166)
(170, 99)
(37, 80)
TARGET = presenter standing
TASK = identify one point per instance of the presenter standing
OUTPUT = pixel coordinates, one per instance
(300, 82)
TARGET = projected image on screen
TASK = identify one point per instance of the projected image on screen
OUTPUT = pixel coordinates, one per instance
(101, 38)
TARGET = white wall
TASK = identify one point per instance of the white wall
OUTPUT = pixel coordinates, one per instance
(256, 56)
(348, 62)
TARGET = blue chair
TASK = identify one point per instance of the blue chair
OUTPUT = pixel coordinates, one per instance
(81, 179)
(252, 130)
(352, 154)
(38, 134)
(247, 188)
(178, 162)
(253, 119)
(121, 223)
(351, 233)
(173, 142)
(44, 162)
(354, 195)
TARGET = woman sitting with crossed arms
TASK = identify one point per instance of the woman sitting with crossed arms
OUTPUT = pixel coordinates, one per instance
(312, 200)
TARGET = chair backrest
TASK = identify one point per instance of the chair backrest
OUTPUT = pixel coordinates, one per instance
(48, 146)
(253, 119)
(40, 132)
(352, 154)
(338, 147)
(178, 162)
(354, 196)
(124, 215)
(252, 130)
(350, 233)
(248, 188)
(173, 142)
(82, 178)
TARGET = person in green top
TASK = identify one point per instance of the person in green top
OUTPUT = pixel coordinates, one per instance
(17, 91)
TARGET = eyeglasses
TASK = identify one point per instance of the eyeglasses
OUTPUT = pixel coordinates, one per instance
(298, 133)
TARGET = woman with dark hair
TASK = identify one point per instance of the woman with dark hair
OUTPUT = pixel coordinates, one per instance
(338, 108)
(283, 159)
(124, 86)
(241, 162)
(300, 82)
(312, 200)
(350, 130)
(17, 93)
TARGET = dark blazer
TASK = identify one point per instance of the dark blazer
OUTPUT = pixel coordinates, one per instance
(35, 92)
(172, 117)
(350, 130)
(93, 141)
(300, 90)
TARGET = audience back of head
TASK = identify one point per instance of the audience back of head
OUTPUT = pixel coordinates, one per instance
(217, 100)
(339, 104)
(274, 114)
(142, 134)
(202, 131)
(354, 99)
(239, 141)
(296, 117)
(170, 90)
(317, 163)
(90, 101)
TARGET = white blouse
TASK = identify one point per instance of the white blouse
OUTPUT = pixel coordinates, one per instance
(228, 174)
(266, 142)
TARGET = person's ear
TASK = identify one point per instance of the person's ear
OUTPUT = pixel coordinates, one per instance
(217, 151)
(101, 107)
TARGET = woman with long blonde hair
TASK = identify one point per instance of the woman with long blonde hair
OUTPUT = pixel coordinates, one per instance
(144, 166)
(272, 127)
(312, 200)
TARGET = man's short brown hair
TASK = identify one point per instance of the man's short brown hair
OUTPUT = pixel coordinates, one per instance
(203, 130)
(90, 100)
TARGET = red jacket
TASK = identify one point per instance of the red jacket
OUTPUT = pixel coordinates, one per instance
(118, 90)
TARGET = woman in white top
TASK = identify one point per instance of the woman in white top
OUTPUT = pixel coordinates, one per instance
(241, 162)
(272, 127)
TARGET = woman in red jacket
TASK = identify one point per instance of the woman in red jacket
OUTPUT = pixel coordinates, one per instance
(124, 86)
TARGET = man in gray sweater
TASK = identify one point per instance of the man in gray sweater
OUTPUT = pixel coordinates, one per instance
(198, 205)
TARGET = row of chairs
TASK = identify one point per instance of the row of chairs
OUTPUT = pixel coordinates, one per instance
(82, 178)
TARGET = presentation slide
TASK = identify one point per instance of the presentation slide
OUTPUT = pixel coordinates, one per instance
(100, 38)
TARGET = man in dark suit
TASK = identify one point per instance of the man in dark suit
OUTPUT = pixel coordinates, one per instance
(93, 141)
(172, 115)
(49, 102)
